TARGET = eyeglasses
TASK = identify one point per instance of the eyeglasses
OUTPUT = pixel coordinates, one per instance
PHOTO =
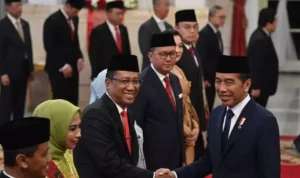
(126, 82)
(164, 55)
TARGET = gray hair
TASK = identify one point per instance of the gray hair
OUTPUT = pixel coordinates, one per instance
(213, 10)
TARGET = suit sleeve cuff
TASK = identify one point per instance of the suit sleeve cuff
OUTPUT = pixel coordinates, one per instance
(175, 174)
(64, 67)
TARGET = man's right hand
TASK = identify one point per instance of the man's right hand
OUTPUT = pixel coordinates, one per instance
(5, 80)
(67, 71)
(164, 173)
(206, 84)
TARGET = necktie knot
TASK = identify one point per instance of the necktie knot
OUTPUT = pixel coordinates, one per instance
(124, 114)
(191, 51)
(229, 114)
(167, 80)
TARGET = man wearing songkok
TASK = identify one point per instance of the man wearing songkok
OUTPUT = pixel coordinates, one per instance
(158, 106)
(108, 39)
(155, 24)
(64, 59)
(108, 147)
(243, 137)
(187, 26)
(16, 62)
(25, 147)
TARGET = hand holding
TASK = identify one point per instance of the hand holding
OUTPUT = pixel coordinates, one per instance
(193, 137)
(164, 173)
(255, 93)
(67, 71)
(206, 84)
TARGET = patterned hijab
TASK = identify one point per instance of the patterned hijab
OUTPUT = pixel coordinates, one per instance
(60, 113)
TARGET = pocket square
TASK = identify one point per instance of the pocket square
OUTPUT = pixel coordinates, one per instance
(180, 96)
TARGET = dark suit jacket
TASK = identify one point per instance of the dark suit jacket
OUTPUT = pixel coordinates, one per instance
(60, 49)
(162, 126)
(209, 51)
(103, 47)
(145, 33)
(194, 75)
(2, 175)
(15, 55)
(102, 150)
(252, 151)
(264, 62)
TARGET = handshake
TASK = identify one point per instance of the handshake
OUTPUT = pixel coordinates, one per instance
(164, 173)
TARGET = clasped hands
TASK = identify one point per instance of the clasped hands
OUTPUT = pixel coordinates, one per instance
(164, 173)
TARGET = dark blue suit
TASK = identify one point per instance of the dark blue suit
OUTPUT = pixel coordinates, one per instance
(162, 125)
(253, 151)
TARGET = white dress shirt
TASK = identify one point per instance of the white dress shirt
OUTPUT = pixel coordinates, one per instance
(268, 33)
(112, 29)
(213, 27)
(195, 57)
(161, 78)
(236, 111)
(72, 26)
(160, 23)
(14, 20)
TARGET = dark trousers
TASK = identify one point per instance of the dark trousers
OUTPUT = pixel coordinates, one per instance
(210, 96)
(64, 88)
(12, 100)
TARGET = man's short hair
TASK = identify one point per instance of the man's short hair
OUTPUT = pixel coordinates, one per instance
(10, 156)
(266, 15)
(213, 10)
(110, 74)
(244, 76)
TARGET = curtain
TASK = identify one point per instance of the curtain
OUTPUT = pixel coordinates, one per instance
(239, 25)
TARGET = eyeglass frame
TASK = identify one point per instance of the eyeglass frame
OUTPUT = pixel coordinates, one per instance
(127, 82)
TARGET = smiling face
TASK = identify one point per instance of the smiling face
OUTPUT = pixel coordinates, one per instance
(74, 132)
(179, 47)
(123, 87)
(231, 89)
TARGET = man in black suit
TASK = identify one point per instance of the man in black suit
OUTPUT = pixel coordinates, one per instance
(243, 137)
(108, 39)
(155, 24)
(16, 63)
(187, 26)
(158, 107)
(108, 147)
(64, 59)
(264, 58)
(210, 47)
(25, 147)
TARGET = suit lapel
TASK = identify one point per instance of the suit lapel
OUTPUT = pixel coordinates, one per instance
(14, 30)
(235, 133)
(218, 141)
(134, 141)
(155, 25)
(111, 37)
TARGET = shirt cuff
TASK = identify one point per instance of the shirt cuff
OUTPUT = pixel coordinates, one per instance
(63, 68)
(174, 174)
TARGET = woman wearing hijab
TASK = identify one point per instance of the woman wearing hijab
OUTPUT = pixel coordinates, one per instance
(65, 119)
(191, 125)
(98, 88)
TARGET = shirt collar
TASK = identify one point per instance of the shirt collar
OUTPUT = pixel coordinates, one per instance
(64, 13)
(12, 19)
(266, 31)
(213, 27)
(187, 45)
(239, 107)
(7, 175)
(160, 76)
(120, 109)
(157, 19)
(110, 25)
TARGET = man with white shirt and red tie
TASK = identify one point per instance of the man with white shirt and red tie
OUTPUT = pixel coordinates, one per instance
(108, 39)
(187, 26)
(158, 106)
(108, 147)
(64, 59)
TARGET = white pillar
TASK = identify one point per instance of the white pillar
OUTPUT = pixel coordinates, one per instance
(252, 10)
(194, 4)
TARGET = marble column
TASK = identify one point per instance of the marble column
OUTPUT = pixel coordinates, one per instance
(45, 2)
(2, 9)
(194, 4)
(252, 9)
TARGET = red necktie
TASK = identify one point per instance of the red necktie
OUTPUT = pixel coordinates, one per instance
(191, 50)
(169, 92)
(71, 29)
(118, 39)
(126, 130)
